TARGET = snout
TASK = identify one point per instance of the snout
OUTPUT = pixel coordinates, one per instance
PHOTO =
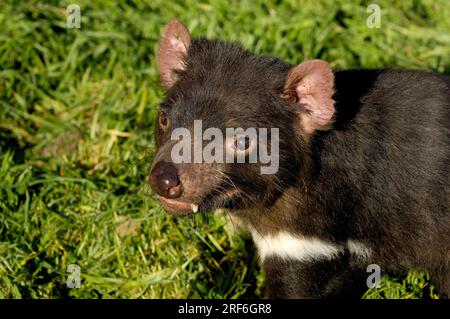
(186, 188)
(165, 181)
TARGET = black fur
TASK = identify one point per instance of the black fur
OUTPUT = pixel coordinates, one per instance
(379, 176)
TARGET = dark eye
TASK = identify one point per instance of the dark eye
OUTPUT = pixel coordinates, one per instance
(242, 143)
(163, 120)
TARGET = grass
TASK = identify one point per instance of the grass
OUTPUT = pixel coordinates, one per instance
(76, 120)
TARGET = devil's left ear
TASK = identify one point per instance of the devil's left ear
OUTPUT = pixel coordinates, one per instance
(311, 85)
(173, 48)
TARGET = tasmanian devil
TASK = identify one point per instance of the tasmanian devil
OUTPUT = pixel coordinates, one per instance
(362, 162)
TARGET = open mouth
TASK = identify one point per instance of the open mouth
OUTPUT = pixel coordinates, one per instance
(182, 207)
(178, 207)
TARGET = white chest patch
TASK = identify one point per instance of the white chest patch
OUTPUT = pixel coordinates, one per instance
(359, 249)
(301, 248)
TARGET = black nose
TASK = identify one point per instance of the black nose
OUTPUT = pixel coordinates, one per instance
(164, 180)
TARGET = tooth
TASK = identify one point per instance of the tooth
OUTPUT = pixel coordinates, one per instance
(194, 208)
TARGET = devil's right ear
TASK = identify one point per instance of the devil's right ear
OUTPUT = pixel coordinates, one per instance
(173, 48)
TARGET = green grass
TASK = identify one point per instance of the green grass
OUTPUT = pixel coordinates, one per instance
(76, 122)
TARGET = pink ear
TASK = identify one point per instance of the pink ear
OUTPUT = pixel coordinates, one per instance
(173, 48)
(311, 85)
